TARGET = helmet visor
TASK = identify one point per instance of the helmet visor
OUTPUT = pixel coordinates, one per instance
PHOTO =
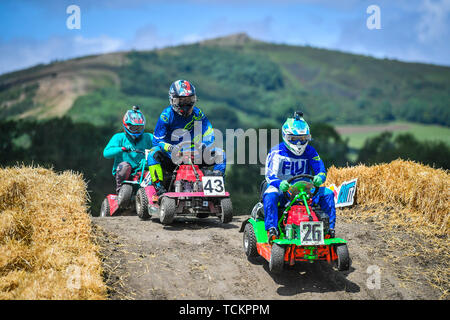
(138, 128)
(184, 102)
(298, 139)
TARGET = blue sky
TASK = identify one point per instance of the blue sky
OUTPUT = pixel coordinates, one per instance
(35, 31)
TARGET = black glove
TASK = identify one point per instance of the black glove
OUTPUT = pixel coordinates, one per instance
(332, 235)
(124, 149)
(217, 173)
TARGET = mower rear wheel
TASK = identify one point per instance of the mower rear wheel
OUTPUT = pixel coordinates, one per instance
(142, 205)
(167, 210)
(249, 241)
(276, 262)
(343, 261)
(124, 196)
(227, 210)
(104, 209)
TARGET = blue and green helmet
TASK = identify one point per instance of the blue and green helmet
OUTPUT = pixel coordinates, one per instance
(296, 135)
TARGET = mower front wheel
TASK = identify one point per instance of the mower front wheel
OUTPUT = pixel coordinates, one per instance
(167, 210)
(276, 262)
(249, 241)
(343, 261)
(227, 210)
(124, 196)
(142, 205)
(104, 209)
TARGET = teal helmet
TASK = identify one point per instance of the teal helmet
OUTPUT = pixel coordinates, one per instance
(134, 122)
(296, 134)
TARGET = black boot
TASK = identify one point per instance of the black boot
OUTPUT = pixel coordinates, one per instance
(160, 189)
(272, 234)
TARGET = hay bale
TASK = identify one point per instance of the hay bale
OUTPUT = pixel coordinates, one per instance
(407, 196)
(46, 250)
(421, 192)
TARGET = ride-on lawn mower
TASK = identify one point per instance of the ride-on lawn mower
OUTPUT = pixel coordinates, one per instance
(123, 202)
(190, 192)
(304, 232)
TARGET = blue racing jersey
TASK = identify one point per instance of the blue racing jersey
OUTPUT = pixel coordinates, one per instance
(169, 121)
(282, 164)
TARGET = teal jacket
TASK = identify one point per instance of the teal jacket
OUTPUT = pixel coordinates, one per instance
(119, 140)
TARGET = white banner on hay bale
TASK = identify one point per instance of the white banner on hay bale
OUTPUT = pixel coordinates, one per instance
(344, 195)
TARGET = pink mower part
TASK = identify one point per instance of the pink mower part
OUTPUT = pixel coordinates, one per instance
(113, 205)
(194, 194)
(150, 191)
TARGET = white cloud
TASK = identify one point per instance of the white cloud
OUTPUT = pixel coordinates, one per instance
(192, 38)
(22, 53)
(148, 37)
(433, 22)
(100, 44)
(409, 32)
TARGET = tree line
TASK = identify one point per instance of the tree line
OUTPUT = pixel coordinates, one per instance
(63, 144)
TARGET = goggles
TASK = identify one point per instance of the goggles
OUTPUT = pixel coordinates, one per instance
(184, 102)
(302, 139)
(135, 128)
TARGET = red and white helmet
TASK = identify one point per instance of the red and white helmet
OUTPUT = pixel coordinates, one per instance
(182, 97)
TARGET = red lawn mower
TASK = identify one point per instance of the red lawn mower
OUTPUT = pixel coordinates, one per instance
(190, 192)
(125, 198)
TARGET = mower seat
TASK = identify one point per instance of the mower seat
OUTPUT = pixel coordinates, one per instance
(262, 188)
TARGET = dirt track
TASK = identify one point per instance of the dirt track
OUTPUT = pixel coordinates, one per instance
(203, 259)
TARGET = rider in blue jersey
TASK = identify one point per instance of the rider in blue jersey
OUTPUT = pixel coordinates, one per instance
(290, 158)
(182, 121)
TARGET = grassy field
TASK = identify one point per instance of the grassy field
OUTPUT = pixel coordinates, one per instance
(357, 135)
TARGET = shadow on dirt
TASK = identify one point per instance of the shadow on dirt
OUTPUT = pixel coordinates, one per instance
(191, 223)
(315, 277)
(309, 277)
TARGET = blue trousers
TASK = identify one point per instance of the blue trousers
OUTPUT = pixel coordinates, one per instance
(272, 196)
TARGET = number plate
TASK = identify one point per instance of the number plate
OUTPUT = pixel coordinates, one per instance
(311, 233)
(213, 186)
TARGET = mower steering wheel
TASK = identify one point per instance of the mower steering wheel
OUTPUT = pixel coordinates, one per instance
(194, 150)
(308, 176)
(184, 143)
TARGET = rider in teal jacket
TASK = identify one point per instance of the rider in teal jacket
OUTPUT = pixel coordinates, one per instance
(122, 147)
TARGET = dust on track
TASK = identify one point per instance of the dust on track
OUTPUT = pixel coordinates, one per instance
(203, 259)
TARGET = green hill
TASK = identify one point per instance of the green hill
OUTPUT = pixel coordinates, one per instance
(241, 82)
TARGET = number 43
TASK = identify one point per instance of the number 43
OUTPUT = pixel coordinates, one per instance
(213, 185)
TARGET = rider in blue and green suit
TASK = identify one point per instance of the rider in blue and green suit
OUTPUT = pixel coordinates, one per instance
(183, 114)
